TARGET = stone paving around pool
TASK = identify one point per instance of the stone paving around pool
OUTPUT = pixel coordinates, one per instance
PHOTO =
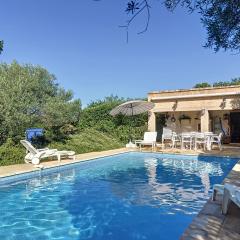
(209, 224)
(24, 168)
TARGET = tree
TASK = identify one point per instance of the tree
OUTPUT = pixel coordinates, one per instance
(221, 84)
(96, 114)
(234, 81)
(1, 46)
(61, 115)
(30, 97)
(202, 85)
(221, 18)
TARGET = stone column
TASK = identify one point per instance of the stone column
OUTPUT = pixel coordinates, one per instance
(151, 121)
(204, 120)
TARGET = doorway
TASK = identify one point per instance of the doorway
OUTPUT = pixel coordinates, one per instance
(160, 123)
(235, 127)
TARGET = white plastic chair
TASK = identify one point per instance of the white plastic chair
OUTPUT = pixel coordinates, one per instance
(186, 138)
(217, 140)
(217, 188)
(231, 194)
(200, 139)
(166, 135)
(149, 139)
(175, 139)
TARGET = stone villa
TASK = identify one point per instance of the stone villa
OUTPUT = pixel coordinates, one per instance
(212, 109)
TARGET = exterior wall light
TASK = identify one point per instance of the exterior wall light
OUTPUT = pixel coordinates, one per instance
(203, 111)
(223, 103)
(174, 107)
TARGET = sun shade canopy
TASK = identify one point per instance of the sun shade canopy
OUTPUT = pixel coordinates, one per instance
(131, 108)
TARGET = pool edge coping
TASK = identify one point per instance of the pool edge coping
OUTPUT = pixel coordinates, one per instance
(62, 164)
(103, 154)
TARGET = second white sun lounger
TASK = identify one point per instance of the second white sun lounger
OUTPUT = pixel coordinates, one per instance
(231, 193)
(149, 139)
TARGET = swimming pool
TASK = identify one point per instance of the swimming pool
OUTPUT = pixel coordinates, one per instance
(126, 196)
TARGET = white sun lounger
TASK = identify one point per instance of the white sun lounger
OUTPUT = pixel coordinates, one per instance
(149, 139)
(35, 155)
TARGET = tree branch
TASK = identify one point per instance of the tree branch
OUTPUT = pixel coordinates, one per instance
(141, 7)
(1, 46)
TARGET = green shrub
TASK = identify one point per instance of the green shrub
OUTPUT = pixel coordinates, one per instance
(125, 133)
(88, 140)
(97, 130)
(11, 153)
(97, 115)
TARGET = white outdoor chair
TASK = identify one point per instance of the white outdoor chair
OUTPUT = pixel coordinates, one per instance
(175, 139)
(149, 139)
(200, 139)
(186, 139)
(217, 140)
(208, 136)
(166, 135)
(217, 188)
(231, 193)
(35, 155)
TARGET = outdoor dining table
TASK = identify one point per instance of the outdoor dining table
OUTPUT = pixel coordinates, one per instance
(208, 136)
(186, 135)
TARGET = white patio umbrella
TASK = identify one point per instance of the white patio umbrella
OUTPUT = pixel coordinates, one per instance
(132, 108)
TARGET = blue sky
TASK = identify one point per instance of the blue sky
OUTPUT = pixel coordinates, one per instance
(80, 42)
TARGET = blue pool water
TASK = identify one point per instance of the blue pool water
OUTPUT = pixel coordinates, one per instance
(127, 196)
